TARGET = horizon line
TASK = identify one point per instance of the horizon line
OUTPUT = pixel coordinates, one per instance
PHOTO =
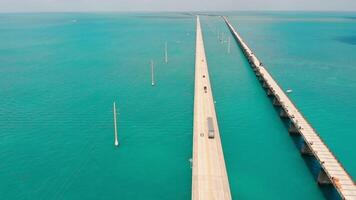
(169, 11)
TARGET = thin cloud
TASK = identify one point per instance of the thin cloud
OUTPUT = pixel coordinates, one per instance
(170, 5)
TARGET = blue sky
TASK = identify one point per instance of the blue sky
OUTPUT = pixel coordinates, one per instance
(171, 5)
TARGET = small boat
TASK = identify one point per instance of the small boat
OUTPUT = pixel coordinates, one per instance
(289, 91)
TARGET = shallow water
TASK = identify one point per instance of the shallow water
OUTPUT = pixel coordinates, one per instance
(59, 80)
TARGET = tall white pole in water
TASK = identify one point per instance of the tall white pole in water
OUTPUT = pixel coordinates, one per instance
(228, 45)
(166, 53)
(115, 126)
(152, 73)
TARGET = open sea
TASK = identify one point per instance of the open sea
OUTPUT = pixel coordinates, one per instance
(61, 72)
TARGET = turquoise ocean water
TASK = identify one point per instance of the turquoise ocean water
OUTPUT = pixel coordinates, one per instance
(60, 73)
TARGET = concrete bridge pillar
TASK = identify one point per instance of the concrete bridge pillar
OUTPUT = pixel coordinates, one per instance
(306, 150)
(264, 85)
(323, 178)
(276, 102)
(283, 114)
(293, 130)
(269, 92)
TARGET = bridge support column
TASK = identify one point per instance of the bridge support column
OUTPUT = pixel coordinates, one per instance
(276, 102)
(283, 113)
(323, 179)
(264, 84)
(293, 130)
(306, 150)
(269, 92)
(260, 78)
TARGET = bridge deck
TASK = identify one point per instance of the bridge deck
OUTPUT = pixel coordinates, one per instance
(335, 172)
(209, 179)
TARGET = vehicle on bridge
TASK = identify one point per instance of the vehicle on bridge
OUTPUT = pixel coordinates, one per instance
(210, 128)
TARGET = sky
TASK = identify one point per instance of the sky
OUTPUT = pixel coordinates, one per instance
(173, 5)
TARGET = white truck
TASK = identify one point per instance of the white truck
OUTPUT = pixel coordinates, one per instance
(210, 127)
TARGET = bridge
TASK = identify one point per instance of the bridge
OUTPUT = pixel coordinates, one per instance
(332, 171)
(209, 178)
